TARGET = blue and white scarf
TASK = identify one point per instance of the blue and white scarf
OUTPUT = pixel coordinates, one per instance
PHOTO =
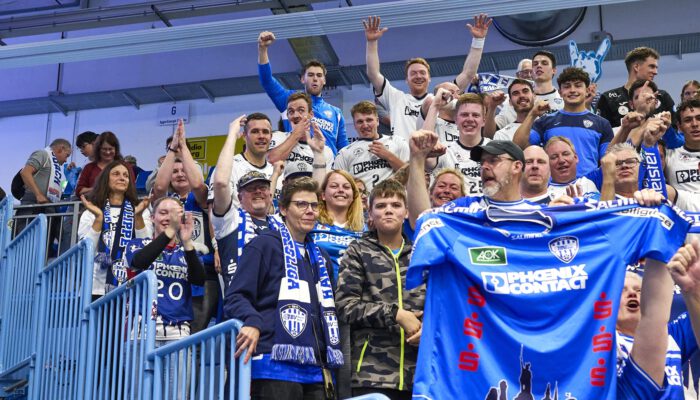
(695, 216)
(295, 339)
(246, 229)
(54, 190)
(114, 237)
(654, 174)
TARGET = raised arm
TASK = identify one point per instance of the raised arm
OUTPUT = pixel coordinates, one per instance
(320, 165)
(165, 171)
(471, 65)
(492, 101)
(651, 336)
(192, 171)
(372, 33)
(274, 89)
(281, 152)
(522, 135)
(222, 176)
(685, 270)
(421, 144)
(607, 164)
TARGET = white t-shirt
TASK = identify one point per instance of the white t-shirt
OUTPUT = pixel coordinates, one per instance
(301, 153)
(507, 114)
(403, 108)
(683, 169)
(360, 163)
(507, 132)
(587, 186)
(457, 157)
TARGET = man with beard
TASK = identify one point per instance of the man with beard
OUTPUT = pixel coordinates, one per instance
(521, 97)
(296, 147)
(257, 133)
(534, 185)
(405, 108)
(544, 67)
(329, 118)
(641, 63)
(590, 133)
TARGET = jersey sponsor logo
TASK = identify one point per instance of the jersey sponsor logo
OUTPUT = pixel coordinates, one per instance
(587, 123)
(323, 124)
(666, 222)
(548, 280)
(293, 319)
(413, 113)
(602, 205)
(427, 226)
(564, 248)
(488, 255)
(613, 95)
(688, 175)
(369, 165)
(293, 156)
(333, 331)
(472, 172)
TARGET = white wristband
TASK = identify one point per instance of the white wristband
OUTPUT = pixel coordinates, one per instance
(478, 43)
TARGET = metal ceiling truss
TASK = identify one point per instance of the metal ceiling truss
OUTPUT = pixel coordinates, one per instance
(337, 76)
(287, 26)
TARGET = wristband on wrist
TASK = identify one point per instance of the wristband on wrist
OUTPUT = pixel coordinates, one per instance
(478, 43)
(319, 165)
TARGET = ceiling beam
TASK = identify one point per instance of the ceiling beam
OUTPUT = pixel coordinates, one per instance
(240, 31)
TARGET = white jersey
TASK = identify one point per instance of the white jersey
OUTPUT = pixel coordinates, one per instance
(689, 201)
(404, 109)
(683, 169)
(507, 132)
(301, 153)
(589, 189)
(508, 115)
(360, 163)
(457, 157)
(240, 167)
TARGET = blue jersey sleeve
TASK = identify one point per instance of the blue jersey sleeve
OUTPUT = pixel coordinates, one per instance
(682, 332)
(606, 135)
(132, 248)
(274, 89)
(537, 132)
(242, 290)
(434, 239)
(673, 138)
(342, 139)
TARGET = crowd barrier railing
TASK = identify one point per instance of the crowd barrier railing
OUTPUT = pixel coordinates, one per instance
(212, 373)
(62, 223)
(61, 332)
(24, 259)
(5, 224)
(121, 335)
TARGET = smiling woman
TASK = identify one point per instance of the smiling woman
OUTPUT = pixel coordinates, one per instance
(106, 150)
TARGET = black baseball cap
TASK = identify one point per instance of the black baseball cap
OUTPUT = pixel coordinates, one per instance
(498, 147)
(250, 177)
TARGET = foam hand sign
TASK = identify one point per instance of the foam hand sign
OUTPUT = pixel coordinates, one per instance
(590, 62)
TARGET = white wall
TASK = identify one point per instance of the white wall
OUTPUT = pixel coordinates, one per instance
(141, 136)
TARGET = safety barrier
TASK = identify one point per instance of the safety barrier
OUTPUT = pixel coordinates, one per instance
(212, 373)
(62, 224)
(24, 259)
(5, 224)
(121, 335)
(63, 297)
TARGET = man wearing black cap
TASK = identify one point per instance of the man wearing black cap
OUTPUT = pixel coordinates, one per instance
(233, 226)
(501, 168)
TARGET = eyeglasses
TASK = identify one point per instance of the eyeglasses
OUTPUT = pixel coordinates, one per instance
(630, 162)
(495, 160)
(304, 205)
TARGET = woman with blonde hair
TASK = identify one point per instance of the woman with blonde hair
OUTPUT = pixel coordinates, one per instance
(341, 218)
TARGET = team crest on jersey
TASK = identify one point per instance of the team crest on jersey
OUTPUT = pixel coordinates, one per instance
(587, 123)
(119, 271)
(623, 110)
(358, 152)
(564, 248)
(333, 331)
(328, 114)
(293, 319)
(196, 228)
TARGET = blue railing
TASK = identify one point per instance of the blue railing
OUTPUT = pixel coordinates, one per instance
(5, 221)
(24, 259)
(121, 334)
(205, 376)
(64, 295)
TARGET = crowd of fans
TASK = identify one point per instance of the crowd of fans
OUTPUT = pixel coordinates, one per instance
(306, 237)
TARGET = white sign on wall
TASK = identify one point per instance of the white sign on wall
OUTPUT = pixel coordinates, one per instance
(169, 114)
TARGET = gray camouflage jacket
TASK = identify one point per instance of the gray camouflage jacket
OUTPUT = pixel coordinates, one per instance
(367, 298)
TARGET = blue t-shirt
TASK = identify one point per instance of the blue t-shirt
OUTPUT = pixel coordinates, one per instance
(174, 292)
(329, 118)
(334, 240)
(681, 345)
(523, 300)
(589, 133)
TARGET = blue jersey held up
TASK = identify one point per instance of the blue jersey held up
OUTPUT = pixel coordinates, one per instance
(329, 118)
(523, 302)
(589, 133)
(334, 240)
